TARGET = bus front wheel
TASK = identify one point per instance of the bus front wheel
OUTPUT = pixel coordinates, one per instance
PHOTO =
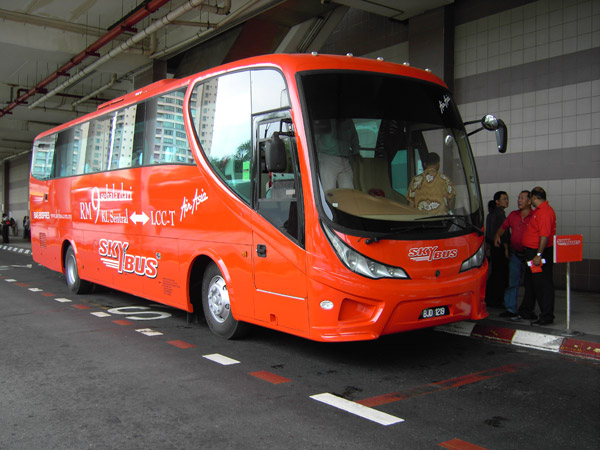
(76, 284)
(217, 307)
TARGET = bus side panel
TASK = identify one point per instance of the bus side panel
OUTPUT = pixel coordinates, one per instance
(60, 222)
(103, 205)
(190, 217)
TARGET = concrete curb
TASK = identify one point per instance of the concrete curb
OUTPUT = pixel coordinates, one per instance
(522, 338)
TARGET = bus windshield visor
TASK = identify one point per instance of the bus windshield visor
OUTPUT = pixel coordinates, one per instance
(391, 154)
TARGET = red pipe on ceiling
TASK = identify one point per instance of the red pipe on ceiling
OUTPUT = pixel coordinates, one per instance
(92, 50)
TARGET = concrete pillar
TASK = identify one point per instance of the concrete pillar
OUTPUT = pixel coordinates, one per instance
(431, 42)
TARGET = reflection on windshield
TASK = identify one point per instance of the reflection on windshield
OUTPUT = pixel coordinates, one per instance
(388, 150)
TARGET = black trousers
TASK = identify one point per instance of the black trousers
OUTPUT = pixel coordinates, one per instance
(497, 281)
(5, 234)
(540, 285)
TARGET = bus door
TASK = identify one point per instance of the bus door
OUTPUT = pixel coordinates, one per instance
(41, 170)
(279, 257)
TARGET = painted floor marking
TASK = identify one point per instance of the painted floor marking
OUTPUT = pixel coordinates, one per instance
(100, 314)
(10, 280)
(81, 306)
(48, 294)
(577, 347)
(224, 360)
(36, 290)
(62, 300)
(122, 322)
(149, 332)
(181, 344)
(22, 284)
(538, 341)
(357, 409)
(440, 385)
(270, 377)
(459, 444)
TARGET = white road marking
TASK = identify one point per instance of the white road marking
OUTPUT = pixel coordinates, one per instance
(357, 409)
(10, 280)
(62, 300)
(100, 314)
(149, 332)
(36, 290)
(221, 359)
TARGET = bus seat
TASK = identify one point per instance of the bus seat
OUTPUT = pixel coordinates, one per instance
(371, 175)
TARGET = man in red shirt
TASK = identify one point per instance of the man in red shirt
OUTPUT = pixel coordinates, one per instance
(537, 240)
(515, 223)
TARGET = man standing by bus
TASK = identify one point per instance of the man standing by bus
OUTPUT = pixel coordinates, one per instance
(538, 241)
(516, 223)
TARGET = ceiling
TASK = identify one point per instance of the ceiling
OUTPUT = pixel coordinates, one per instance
(61, 58)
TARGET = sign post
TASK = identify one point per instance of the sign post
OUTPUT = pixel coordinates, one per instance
(566, 249)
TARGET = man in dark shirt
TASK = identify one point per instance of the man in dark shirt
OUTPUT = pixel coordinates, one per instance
(498, 275)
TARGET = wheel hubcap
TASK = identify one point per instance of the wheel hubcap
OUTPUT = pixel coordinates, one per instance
(71, 270)
(218, 299)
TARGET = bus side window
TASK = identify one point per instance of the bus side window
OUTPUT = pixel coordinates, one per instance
(120, 153)
(222, 123)
(97, 144)
(67, 155)
(170, 140)
(43, 157)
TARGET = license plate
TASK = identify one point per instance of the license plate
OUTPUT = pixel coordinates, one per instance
(438, 311)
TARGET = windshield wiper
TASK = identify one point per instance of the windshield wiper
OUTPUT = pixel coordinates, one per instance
(392, 233)
(467, 225)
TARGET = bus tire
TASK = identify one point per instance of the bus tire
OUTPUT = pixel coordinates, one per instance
(76, 284)
(217, 307)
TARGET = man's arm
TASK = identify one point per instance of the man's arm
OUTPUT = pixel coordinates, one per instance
(537, 260)
(497, 236)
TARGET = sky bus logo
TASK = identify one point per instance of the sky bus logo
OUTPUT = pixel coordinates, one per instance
(431, 253)
(114, 256)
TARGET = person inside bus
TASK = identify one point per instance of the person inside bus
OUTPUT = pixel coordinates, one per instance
(337, 145)
(431, 191)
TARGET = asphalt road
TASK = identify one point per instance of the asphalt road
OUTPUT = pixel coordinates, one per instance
(79, 372)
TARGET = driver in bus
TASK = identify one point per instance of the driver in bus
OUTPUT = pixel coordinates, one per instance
(337, 144)
(431, 191)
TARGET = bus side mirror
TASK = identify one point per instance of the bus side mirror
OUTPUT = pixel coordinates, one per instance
(492, 123)
(275, 155)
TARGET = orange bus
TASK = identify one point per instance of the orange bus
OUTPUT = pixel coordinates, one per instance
(280, 191)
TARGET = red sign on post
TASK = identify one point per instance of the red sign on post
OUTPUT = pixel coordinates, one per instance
(568, 248)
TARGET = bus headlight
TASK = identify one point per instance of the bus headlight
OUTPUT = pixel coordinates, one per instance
(360, 264)
(474, 261)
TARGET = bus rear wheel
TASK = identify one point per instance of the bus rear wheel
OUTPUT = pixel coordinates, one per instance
(76, 284)
(217, 307)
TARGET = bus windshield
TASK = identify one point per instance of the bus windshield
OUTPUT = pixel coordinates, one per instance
(391, 154)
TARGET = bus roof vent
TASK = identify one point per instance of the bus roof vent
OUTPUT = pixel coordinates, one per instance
(314, 53)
